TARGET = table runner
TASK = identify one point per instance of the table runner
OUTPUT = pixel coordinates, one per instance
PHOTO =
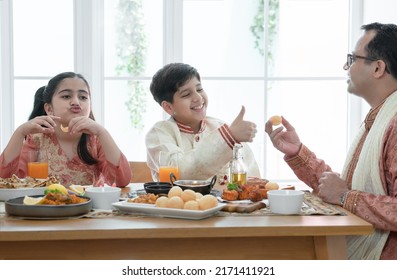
(312, 205)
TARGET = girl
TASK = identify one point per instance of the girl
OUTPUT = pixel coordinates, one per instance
(78, 149)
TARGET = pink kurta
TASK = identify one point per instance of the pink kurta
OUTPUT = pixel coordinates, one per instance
(69, 171)
(379, 210)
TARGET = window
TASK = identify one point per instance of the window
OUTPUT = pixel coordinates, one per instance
(119, 44)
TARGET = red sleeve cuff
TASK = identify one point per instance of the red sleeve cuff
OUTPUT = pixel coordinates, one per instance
(227, 135)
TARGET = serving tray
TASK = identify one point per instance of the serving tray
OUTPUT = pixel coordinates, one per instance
(153, 210)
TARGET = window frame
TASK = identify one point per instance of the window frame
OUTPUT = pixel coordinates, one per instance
(89, 60)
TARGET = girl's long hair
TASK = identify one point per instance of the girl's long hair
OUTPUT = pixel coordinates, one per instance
(44, 95)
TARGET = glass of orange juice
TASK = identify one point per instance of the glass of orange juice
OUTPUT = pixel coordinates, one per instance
(37, 164)
(168, 163)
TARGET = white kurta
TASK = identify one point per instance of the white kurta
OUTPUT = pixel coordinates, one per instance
(201, 155)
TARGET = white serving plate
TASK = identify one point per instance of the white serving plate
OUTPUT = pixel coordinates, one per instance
(151, 209)
(6, 194)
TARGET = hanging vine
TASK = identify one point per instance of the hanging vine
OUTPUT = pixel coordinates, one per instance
(258, 27)
(131, 49)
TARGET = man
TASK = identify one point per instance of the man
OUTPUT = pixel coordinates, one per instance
(367, 186)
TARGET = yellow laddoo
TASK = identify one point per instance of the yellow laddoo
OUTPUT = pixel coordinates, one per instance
(188, 195)
(191, 205)
(175, 202)
(162, 201)
(207, 201)
(198, 195)
(175, 191)
(275, 120)
(272, 186)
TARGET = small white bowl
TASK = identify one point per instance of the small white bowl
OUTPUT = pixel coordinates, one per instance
(103, 197)
(285, 201)
(6, 194)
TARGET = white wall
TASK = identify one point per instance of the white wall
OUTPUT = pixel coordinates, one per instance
(383, 11)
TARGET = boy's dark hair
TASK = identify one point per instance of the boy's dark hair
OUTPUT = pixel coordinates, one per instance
(44, 95)
(169, 79)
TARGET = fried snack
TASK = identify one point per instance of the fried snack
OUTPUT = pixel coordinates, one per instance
(149, 198)
(175, 202)
(14, 182)
(255, 190)
(162, 201)
(187, 199)
(255, 195)
(244, 193)
(230, 195)
(191, 205)
(188, 195)
(207, 201)
(64, 128)
(62, 199)
(175, 191)
(263, 193)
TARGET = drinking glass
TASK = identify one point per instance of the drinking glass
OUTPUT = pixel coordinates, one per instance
(37, 164)
(168, 164)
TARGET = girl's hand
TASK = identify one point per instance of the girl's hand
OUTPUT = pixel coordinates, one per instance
(85, 125)
(41, 124)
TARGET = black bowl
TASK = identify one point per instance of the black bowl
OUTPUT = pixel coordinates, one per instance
(157, 187)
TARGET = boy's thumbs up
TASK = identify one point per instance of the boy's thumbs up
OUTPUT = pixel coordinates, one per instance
(240, 115)
(243, 131)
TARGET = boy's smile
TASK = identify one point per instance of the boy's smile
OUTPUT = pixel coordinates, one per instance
(189, 104)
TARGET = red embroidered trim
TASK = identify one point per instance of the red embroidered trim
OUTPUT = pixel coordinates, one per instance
(187, 129)
(224, 130)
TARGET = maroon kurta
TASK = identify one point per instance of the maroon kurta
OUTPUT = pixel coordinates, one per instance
(379, 210)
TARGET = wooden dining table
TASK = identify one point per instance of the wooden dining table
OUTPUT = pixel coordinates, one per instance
(275, 237)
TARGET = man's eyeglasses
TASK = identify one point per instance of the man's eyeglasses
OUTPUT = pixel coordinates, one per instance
(352, 57)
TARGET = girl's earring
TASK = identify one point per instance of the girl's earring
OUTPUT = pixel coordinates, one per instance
(174, 113)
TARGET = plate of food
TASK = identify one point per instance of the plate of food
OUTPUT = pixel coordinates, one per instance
(254, 190)
(153, 210)
(14, 186)
(56, 203)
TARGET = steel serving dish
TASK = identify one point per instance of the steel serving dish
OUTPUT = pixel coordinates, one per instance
(201, 186)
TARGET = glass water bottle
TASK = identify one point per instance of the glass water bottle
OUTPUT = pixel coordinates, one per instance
(238, 171)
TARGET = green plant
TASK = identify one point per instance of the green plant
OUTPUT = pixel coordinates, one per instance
(258, 27)
(131, 48)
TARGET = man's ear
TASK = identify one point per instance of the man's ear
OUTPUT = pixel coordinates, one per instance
(167, 107)
(48, 109)
(380, 69)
